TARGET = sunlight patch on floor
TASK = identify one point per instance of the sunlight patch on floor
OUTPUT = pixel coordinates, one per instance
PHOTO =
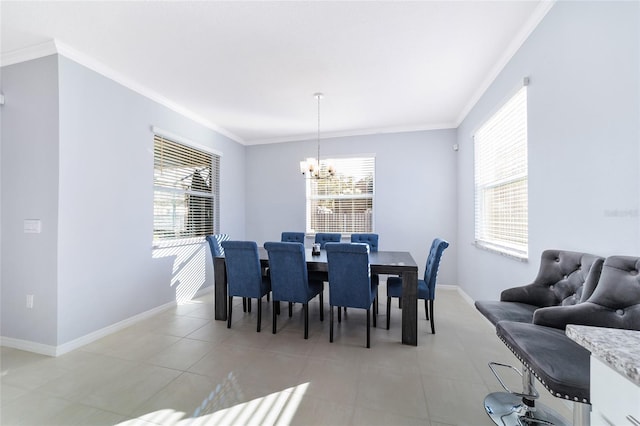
(278, 408)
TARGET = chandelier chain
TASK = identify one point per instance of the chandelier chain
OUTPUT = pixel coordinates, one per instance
(311, 167)
(318, 96)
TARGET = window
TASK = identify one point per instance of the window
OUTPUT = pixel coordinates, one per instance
(344, 202)
(185, 191)
(501, 201)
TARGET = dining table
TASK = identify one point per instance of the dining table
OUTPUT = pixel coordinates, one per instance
(399, 263)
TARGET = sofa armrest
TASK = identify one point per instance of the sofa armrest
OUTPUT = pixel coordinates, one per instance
(588, 313)
(531, 294)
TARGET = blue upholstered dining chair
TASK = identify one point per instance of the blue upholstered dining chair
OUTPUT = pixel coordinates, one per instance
(350, 281)
(323, 238)
(244, 275)
(426, 286)
(215, 244)
(290, 280)
(292, 237)
(371, 239)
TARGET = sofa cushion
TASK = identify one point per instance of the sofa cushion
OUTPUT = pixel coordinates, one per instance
(559, 363)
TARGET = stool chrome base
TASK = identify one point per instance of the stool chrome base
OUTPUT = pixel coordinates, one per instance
(507, 409)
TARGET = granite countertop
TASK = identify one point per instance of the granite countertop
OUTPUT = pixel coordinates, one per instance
(620, 349)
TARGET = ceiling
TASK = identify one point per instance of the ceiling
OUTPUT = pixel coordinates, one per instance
(250, 69)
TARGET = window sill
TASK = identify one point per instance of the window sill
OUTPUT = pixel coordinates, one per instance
(511, 254)
(177, 243)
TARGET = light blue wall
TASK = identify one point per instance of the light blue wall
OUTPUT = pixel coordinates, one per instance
(81, 147)
(415, 190)
(584, 142)
(29, 167)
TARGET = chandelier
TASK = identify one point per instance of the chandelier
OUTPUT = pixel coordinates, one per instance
(312, 168)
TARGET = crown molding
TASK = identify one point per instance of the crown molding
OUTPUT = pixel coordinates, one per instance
(56, 47)
(361, 132)
(28, 53)
(517, 42)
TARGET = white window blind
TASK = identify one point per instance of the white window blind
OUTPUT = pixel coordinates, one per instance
(501, 175)
(343, 203)
(186, 187)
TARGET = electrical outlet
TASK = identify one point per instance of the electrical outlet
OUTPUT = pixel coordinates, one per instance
(29, 301)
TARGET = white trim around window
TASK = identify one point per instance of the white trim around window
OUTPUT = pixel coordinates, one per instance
(501, 180)
(186, 187)
(344, 203)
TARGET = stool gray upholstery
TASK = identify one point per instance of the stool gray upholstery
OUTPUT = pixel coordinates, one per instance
(564, 278)
(559, 363)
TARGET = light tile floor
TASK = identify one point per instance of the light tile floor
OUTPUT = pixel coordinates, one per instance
(181, 368)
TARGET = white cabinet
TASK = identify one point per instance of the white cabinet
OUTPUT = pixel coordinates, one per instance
(615, 399)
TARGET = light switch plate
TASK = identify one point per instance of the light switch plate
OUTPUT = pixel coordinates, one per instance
(32, 226)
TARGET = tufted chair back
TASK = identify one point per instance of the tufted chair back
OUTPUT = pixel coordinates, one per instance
(371, 239)
(215, 244)
(433, 263)
(615, 302)
(564, 278)
(323, 238)
(292, 237)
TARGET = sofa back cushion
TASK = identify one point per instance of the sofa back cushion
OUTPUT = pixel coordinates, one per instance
(564, 278)
(615, 303)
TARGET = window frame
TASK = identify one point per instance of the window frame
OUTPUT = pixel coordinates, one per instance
(368, 166)
(159, 188)
(494, 172)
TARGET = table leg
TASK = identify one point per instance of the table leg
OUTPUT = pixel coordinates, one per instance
(410, 308)
(220, 289)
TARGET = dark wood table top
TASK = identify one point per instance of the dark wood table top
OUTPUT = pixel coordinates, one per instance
(382, 262)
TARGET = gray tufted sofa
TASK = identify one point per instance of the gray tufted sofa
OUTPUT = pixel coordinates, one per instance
(564, 278)
(560, 364)
(615, 302)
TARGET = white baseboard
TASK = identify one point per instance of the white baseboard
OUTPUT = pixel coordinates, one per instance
(453, 287)
(461, 292)
(27, 345)
(49, 350)
(466, 297)
(448, 287)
